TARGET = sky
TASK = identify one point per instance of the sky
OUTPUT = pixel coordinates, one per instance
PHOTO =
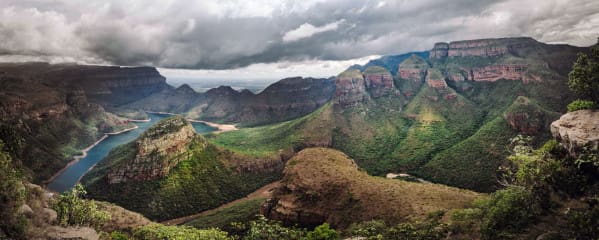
(268, 39)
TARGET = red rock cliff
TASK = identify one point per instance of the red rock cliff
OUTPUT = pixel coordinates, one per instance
(379, 81)
(350, 88)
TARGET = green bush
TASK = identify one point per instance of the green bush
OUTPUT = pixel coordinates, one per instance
(162, 232)
(264, 229)
(323, 232)
(581, 105)
(116, 235)
(73, 210)
(507, 212)
(12, 196)
(429, 229)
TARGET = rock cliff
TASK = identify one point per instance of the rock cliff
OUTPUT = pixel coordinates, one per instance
(480, 47)
(435, 79)
(379, 82)
(156, 151)
(350, 88)
(578, 132)
(493, 73)
(106, 85)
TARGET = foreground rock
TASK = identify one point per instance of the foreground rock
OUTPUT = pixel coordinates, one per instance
(578, 131)
(324, 185)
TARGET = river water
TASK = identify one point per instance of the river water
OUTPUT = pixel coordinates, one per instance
(68, 178)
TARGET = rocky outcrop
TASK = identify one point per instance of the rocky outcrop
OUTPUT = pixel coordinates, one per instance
(350, 88)
(493, 73)
(435, 79)
(439, 51)
(157, 150)
(413, 68)
(479, 48)
(324, 185)
(578, 132)
(379, 81)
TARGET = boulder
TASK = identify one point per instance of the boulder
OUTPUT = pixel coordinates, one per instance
(578, 131)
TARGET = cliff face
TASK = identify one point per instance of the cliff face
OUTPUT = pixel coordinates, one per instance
(379, 82)
(106, 85)
(439, 51)
(578, 132)
(413, 68)
(158, 150)
(479, 47)
(435, 79)
(493, 73)
(350, 88)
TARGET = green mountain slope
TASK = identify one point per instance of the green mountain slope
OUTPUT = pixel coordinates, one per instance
(199, 175)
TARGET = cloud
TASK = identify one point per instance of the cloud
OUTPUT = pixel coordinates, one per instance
(230, 34)
(306, 30)
(271, 71)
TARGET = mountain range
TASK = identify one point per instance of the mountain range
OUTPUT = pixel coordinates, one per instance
(445, 116)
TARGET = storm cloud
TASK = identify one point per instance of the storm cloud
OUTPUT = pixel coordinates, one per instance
(228, 34)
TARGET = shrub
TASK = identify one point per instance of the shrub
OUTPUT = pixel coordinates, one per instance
(263, 228)
(506, 212)
(323, 232)
(161, 232)
(73, 210)
(370, 229)
(12, 196)
(581, 105)
(430, 229)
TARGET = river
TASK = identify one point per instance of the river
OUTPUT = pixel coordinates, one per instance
(73, 173)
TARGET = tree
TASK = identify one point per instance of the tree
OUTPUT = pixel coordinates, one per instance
(73, 210)
(584, 77)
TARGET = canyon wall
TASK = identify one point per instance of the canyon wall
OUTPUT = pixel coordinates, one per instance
(480, 47)
(157, 151)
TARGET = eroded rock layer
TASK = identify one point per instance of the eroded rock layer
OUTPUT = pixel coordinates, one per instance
(157, 151)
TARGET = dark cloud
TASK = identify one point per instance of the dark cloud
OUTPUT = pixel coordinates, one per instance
(224, 34)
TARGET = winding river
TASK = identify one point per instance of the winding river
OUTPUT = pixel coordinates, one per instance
(67, 178)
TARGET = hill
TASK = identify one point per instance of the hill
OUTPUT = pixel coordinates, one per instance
(325, 185)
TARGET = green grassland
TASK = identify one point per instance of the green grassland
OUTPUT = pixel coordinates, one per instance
(270, 140)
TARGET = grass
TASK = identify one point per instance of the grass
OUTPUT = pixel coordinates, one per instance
(270, 140)
(241, 212)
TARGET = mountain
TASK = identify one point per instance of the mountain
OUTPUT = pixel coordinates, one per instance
(170, 171)
(284, 100)
(50, 111)
(479, 92)
(324, 185)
